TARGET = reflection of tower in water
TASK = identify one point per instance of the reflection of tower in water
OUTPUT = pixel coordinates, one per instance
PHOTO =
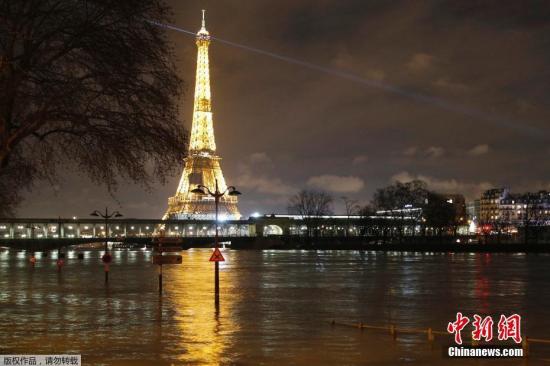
(202, 165)
(205, 331)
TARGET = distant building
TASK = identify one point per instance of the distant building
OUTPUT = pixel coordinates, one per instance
(515, 209)
(489, 204)
(499, 206)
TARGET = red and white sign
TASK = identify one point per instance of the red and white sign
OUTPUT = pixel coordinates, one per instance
(217, 256)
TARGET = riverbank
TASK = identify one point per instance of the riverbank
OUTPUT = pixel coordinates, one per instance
(365, 243)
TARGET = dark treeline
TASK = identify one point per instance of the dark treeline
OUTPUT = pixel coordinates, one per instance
(398, 210)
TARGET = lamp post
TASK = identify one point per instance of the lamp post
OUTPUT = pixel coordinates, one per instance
(106, 256)
(230, 191)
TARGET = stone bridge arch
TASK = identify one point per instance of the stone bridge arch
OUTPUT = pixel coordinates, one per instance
(273, 230)
(267, 226)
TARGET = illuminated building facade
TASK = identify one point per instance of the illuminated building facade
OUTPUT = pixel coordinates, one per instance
(499, 206)
(490, 204)
(202, 165)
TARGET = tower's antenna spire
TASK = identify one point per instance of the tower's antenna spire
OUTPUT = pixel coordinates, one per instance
(203, 32)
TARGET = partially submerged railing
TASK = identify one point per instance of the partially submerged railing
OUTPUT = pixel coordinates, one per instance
(430, 333)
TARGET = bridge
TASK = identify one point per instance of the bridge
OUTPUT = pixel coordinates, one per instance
(55, 232)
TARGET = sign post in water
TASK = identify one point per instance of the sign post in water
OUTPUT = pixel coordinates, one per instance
(161, 259)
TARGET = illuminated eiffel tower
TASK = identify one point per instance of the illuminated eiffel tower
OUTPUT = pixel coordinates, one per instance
(202, 165)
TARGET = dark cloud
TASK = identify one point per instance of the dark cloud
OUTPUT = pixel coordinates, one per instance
(279, 125)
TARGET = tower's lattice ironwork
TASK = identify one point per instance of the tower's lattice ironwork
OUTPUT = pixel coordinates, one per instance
(202, 165)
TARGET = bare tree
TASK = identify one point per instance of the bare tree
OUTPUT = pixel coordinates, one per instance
(90, 84)
(311, 205)
(352, 208)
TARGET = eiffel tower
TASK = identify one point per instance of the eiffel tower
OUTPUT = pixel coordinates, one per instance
(202, 165)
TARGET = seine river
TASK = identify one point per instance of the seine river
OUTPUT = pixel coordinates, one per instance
(276, 307)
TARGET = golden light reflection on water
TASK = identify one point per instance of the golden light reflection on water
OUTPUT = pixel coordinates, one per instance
(205, 330)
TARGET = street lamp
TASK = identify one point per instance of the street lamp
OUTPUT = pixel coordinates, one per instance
(106, 257)
(230, 191)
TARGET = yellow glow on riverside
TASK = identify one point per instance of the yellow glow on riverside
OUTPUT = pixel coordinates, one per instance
(202, 166)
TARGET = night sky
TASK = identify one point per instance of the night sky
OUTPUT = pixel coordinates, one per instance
(453, 92)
